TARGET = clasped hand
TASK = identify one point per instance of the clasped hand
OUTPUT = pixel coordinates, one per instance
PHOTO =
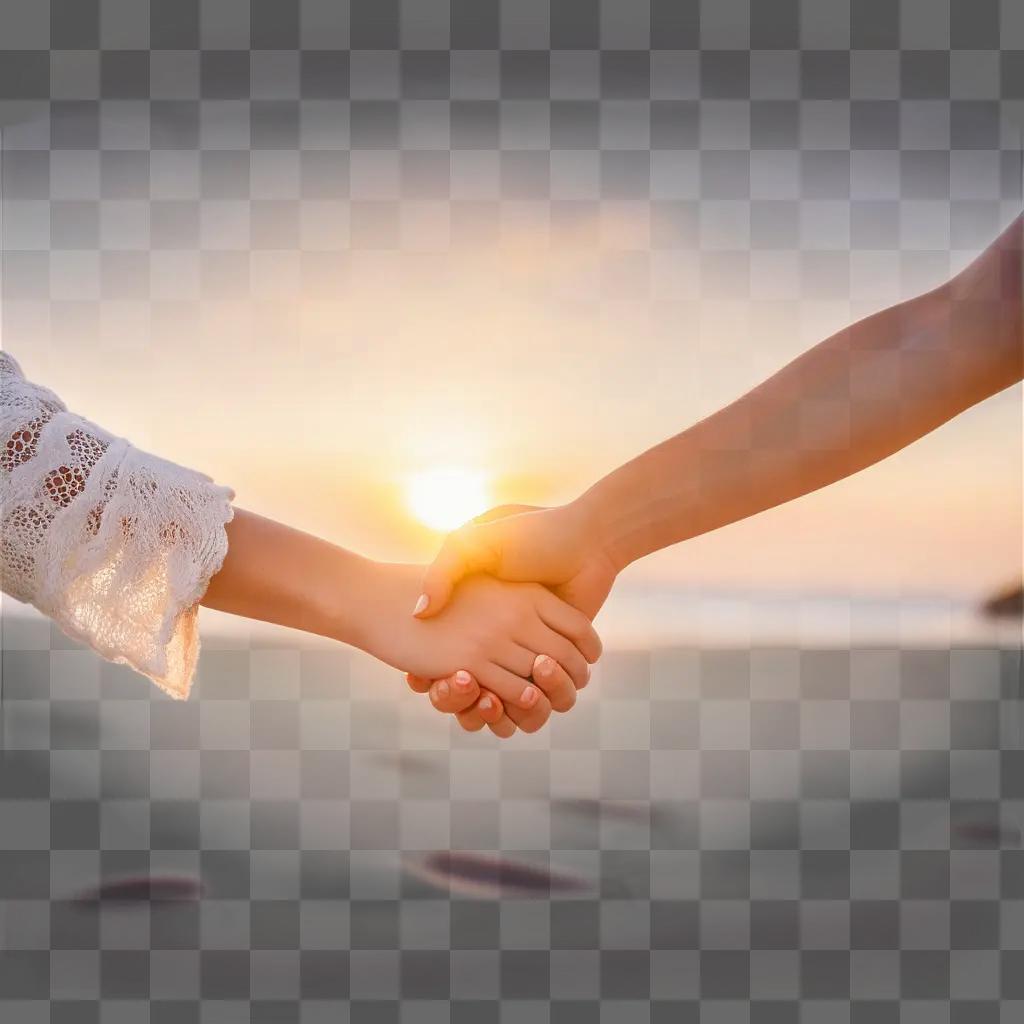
(556, 547)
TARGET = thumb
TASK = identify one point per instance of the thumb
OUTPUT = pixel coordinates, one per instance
(465, 551)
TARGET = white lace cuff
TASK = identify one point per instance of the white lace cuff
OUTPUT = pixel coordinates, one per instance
(116, 545)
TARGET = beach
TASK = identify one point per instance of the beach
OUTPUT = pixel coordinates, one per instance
(706, 826)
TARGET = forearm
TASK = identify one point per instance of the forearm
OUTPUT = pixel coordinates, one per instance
(278, 574)
(493, 630)
(856, 398)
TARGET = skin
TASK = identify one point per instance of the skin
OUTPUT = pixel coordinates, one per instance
(493, 629)
(883, 383)
(475, 706)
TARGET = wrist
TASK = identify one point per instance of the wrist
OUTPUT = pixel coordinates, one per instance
(592, 523)
(364, 613)
(347, 611)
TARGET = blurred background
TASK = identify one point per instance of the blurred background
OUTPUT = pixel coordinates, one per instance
(342, 247)
(379, 264)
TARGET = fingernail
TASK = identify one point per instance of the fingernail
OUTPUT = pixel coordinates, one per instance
(442, 691)
(463, 680)
(485, 704)
(544, 666)
(421, 604)
(529, 696)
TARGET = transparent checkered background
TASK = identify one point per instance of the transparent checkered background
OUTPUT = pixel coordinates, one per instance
(764, 834)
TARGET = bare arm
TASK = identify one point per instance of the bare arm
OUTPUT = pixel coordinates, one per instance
(494, 630)
(854, 399)
(278, 574)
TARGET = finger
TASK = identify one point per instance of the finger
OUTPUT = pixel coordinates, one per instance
(490, 707)
(544, 640)
(455, 693)
(518, 657)
(514, 691)
(532, 720)
(503, 728)
(556, 683)
(560, 683)
(570, 623)
(417, 683)
(520, 660)
(463, 552)
(492, 712)
(471, 720)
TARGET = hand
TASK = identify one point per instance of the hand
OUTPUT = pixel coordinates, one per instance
(491, 629)
(475, 707)
(555, 546)
(461, 696)
(588, 579)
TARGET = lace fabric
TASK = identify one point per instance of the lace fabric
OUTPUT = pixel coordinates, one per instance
(114, 544)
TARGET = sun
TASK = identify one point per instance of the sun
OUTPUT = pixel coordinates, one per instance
(443, 498)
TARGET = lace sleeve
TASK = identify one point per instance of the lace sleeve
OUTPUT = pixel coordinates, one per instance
(116, 545)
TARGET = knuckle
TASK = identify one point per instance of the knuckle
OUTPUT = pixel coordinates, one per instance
(566, 679)
(503, 624)
(461, 705)
(515, 716)
(475, 656)
(537, 718)
(458, 542)
(525, 609)
(521, 613)
(583, 631)
(577, 626)
(565, 700)
(466, 545)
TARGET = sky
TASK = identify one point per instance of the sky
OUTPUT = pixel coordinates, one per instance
(530, 260)
(535, 365)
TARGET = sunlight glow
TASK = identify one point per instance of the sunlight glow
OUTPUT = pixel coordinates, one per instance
(444, 498)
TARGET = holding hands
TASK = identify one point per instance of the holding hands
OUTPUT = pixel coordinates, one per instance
(498, 628)
(948, 349)
(528, 648)
(555, 546)
(558, 547)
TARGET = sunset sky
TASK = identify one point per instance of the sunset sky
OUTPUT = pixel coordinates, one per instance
(527, 268)
(538, 365)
